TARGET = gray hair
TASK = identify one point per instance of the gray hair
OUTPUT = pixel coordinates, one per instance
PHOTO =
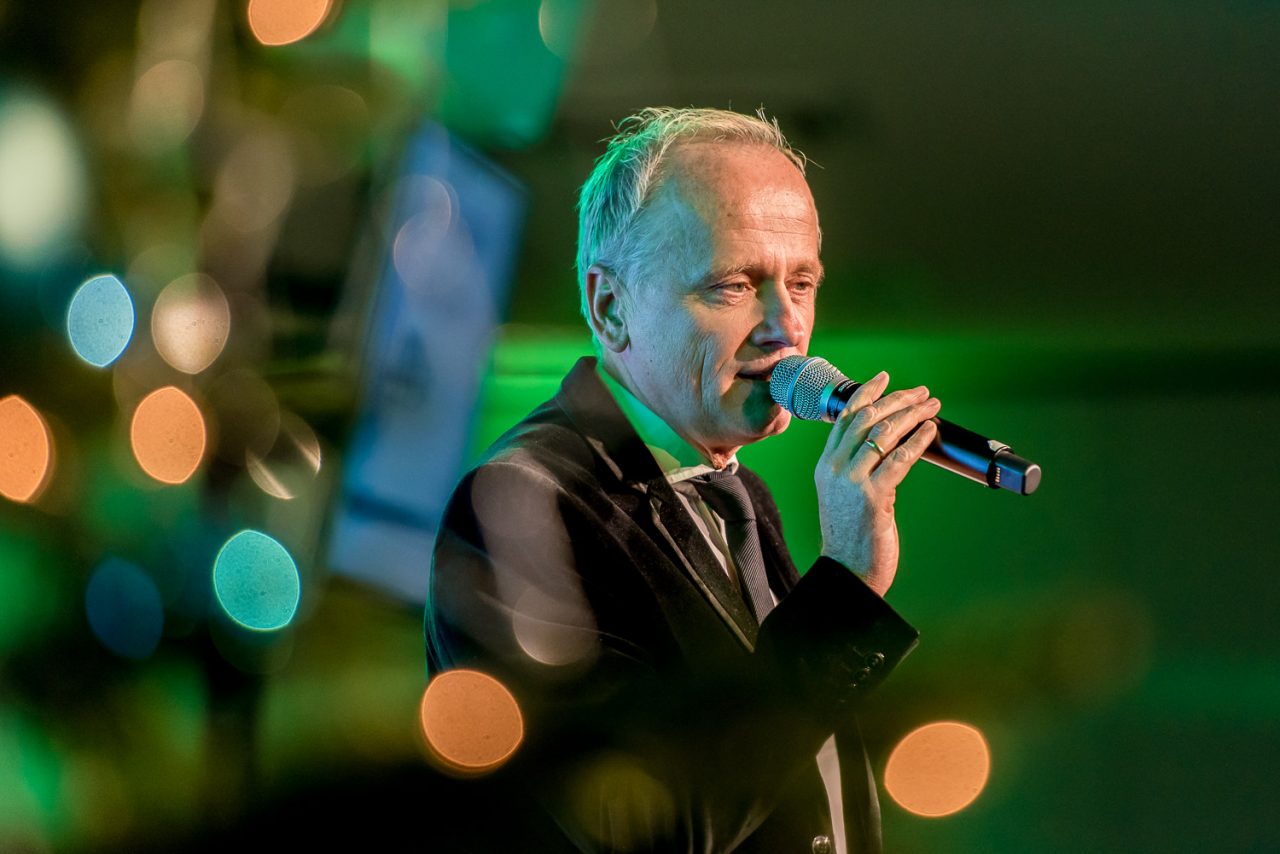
(626, 175)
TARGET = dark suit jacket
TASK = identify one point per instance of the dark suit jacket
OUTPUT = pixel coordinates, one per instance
(658, 715)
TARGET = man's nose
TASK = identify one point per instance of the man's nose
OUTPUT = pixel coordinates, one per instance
(782, 322)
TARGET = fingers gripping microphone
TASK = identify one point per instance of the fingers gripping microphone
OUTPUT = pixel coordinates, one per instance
(813, 389)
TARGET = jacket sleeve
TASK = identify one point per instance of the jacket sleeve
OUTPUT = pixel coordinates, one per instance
(630, 742)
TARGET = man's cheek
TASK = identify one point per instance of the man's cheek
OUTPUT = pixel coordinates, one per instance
(737, 394)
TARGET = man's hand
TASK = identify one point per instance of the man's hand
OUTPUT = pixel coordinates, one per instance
(857, 484)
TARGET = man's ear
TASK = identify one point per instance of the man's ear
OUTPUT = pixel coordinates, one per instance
(604, 309)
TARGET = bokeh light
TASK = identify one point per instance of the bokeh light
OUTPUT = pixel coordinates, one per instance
(620, 805)
(178, 28)
(553, 630)
(415, 251)
(31, 603)
(42, 181)
(1101, 643)
(167, 103)
(255, 183)
(26, 450)
(510, 515)
(256, 581)
(559, 25)
(278, 22)
(617, 29)
(330, 127)
(938, 769)
(190, 323)
(124, 609)
(168, 435)
(100, 320)
(471, 722)
(292, 463)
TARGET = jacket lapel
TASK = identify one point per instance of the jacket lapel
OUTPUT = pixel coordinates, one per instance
(694, 555)
(596, 415)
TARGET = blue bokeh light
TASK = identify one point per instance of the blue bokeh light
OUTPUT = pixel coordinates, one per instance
(124, 609)
(100, 320)
(256, 581)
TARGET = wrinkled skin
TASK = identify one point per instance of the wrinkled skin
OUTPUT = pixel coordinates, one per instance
(728, 288)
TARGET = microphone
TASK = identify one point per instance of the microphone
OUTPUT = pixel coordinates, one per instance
(815, 390)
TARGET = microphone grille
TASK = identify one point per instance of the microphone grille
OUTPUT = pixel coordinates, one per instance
(798, 384)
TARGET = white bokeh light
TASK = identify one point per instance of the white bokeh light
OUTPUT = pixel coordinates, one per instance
(42, 181)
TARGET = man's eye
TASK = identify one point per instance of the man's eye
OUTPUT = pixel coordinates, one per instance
(804, 286)
(732, 288)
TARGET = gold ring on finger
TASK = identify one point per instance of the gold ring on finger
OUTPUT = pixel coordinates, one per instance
(871, 443)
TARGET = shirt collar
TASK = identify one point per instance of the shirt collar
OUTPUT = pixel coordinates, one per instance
(678, 459)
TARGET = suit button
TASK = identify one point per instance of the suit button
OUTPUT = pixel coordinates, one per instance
(874, 659)
(822, 845)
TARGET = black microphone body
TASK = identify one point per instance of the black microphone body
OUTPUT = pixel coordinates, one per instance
(814, 390)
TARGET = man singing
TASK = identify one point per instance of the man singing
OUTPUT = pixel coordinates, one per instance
(683, 687)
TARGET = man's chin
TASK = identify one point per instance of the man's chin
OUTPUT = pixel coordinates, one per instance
(780, 420)
(769, 423)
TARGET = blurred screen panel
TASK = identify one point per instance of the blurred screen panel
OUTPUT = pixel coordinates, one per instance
(443, 276)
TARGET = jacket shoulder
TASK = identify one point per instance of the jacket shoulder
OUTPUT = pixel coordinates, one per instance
(543, 443)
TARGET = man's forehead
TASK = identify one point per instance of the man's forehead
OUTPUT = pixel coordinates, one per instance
(709, 171)
(734, 179)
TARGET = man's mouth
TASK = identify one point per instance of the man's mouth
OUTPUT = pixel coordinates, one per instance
(758, 376)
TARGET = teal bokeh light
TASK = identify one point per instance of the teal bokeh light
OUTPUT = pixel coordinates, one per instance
(256, 581)
(124, 609)
(100, 320)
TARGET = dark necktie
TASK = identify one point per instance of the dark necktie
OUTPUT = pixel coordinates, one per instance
(725, 494)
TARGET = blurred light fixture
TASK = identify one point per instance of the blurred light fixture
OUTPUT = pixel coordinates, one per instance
(167, 102)
(938, 769)
(124, 609)
(291, 464)
(190, 323)
(43, 185)
(612, 31)
(554, 631)
(417, 244)
(26, 450)
(100, 320)
(255, 183)
(471, 722)
(280, 22)
(256, 581)
(175, 28)
(330, 126)
(619, 804)
(168, 435)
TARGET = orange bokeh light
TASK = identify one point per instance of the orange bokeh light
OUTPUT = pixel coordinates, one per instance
(277, 22)
(471, 722)
(26, 450)
(168, 435)
(938, 769)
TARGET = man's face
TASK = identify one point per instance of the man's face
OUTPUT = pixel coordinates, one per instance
(727, 290)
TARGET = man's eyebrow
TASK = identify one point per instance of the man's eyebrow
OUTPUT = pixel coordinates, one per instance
(718, 273)
(812, 268)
